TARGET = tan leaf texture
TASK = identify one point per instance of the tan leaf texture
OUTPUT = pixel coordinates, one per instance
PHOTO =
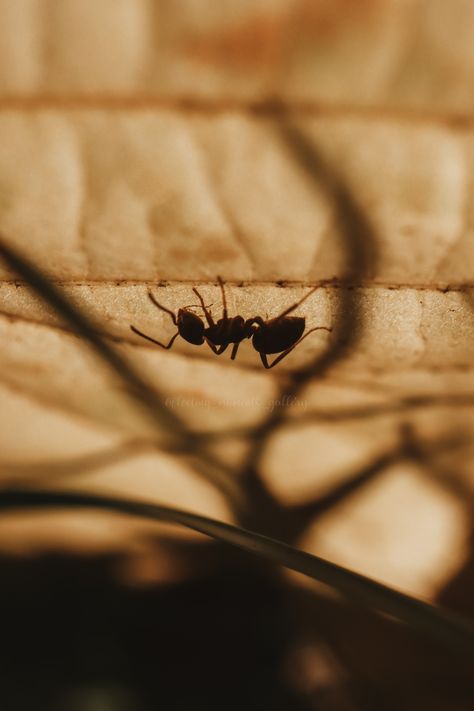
(281, 145)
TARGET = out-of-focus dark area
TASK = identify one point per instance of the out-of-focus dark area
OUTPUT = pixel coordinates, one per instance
(75, 639)
(306, 151)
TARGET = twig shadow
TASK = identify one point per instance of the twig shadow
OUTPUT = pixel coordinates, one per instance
(359, 243)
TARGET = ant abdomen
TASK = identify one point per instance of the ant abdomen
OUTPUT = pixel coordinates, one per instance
(278, 334)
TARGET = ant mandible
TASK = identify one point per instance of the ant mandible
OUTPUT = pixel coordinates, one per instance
(282, 333)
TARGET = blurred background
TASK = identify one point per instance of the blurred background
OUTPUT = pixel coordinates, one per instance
(282, 145)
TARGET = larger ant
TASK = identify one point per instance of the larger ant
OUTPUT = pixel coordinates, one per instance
(282, 333)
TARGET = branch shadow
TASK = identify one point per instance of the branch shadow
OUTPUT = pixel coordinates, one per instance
(359, 242)
(142, 393)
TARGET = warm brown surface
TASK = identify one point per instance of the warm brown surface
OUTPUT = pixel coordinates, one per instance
(140, 148)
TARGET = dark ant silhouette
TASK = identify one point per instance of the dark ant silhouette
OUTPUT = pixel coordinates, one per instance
(271, 336)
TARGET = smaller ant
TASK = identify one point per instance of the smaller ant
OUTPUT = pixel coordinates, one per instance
(280, 334)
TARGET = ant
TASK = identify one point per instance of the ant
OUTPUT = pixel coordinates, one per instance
(282, 333)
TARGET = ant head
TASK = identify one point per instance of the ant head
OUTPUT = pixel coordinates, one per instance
(190, 327)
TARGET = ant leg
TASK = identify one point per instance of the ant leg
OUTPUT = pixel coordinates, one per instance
(217, 351)
(207, 313)
(235, 348)
(152, 340)
(221, 349)
(279, 358)
(163, 308)
(224, 300)
(294, 306)
(211, 345)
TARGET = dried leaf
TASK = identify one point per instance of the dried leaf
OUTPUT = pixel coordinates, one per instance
(280, 145)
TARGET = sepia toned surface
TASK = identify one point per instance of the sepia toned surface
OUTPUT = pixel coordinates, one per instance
(158, 160)
(112, 187)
